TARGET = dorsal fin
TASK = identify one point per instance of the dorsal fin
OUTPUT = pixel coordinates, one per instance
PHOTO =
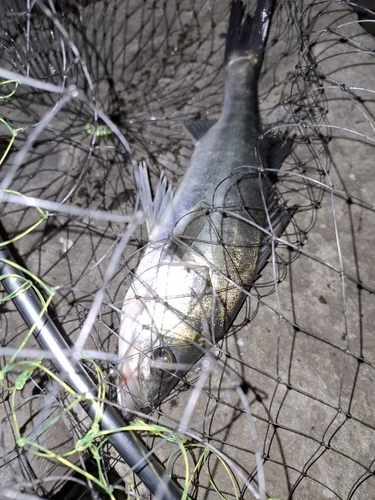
(153, 208)
(277, 221)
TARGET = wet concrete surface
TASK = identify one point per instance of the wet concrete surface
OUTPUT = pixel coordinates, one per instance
(305, 362)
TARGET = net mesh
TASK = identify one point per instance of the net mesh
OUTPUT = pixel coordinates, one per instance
(88, 90)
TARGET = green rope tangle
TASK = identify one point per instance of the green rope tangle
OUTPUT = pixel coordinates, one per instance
(9, 129)
(99, 130)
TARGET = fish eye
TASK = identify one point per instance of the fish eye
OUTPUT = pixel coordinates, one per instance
(162, 357)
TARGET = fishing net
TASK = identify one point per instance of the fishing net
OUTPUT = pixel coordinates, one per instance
(283, 407)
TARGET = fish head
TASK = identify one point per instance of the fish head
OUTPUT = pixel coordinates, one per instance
(149, 366)
(160, 335)
(146, 378)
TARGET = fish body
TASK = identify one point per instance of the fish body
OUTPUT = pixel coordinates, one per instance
(207, 243)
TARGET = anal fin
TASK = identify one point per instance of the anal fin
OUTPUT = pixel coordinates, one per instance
(196, 129)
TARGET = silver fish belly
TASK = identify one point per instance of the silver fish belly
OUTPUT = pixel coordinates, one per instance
(207, 244)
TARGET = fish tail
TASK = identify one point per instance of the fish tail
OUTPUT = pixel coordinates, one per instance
(247, 35)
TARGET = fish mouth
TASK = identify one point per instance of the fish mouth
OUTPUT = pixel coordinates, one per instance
(128, 391)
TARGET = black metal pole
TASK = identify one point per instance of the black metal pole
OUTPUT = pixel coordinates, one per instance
(132, 450)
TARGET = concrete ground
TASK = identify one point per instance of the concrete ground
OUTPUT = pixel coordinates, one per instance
(300, 374)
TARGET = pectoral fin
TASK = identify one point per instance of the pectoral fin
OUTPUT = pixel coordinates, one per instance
(189, 228)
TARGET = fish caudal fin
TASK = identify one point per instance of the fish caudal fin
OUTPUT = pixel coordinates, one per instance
(247, 35)
(153, 208)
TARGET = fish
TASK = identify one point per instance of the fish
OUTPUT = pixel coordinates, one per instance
(209, 241)
(366, 13)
